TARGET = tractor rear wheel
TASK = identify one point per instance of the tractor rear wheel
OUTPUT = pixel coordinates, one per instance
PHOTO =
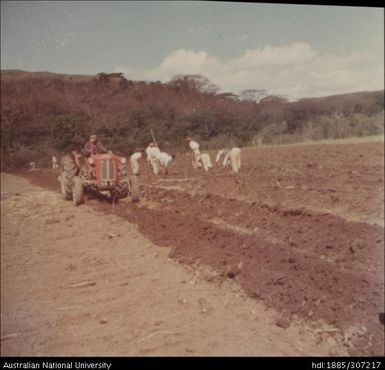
(68, 170)
(77, 191)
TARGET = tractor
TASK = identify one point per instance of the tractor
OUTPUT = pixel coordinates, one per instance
(99, 173)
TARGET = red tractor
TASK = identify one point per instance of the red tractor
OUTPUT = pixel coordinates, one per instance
(98, 173)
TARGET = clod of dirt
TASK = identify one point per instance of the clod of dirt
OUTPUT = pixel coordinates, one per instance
(70, 267)
(203, 305)
(283, 323)
(292, 212)
(255, 294)
(182, 300)
(103, 321)
(233, 272)
(329, 246)
(211, 276)
(340, 259)
(362, 331)
(331, 342)
(357, 244)
(291, 260)
(50, 221)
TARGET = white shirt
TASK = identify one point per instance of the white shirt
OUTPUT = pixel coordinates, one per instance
(193, 145)
(152, 152)
(165, 159)
(136, 156)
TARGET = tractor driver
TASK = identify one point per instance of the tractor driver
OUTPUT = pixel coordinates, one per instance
(93, 146)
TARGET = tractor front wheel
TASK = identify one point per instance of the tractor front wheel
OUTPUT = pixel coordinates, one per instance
(123, 188)
(129, 187)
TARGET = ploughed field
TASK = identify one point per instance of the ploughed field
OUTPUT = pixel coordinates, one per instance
(300, 228)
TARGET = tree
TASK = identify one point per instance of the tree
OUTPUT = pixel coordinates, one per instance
(253, 94)
(228, 95)
(275, 99)
(198, 82)
(103, 77)
(69, 133)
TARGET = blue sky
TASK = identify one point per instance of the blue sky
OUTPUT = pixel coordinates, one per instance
(296, 50)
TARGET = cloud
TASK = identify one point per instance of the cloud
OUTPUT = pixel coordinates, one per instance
(186, 61)
(296, 70)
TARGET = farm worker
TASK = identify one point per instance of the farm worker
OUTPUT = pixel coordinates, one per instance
(221, 155)
(234, 155)
(194, 146)
(165, 161)
(153, 152)
(134, 162)
(205, 161)
(54, 163)
(93, 146)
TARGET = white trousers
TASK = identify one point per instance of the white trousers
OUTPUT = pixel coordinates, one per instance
(235, 159)
(154, 164)
(206, 161)
(196, 153)
(134, 166)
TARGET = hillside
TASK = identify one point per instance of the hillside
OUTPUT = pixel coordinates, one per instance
(41, 110)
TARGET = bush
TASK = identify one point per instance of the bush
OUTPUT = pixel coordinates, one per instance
(19, 156)
(270, 132)
(362, 125)
(69, 133)
(339, 126)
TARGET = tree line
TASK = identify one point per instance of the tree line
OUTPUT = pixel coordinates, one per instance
(45, 112)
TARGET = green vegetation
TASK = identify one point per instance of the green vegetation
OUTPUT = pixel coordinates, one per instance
(45, 114)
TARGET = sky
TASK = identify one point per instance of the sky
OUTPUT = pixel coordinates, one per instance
(292, 50)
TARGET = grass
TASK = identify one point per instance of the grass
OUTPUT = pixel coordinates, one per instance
(348, 140)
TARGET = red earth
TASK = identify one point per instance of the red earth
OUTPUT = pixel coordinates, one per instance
(300, 228)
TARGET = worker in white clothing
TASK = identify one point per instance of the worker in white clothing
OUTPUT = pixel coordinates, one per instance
(194, 146)
(152, 152)
(55, 166)
(134, 162)
(234, 156)
(165, 161)
(205, 161)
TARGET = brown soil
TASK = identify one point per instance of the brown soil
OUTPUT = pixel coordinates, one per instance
(300, 229)
(75, 282)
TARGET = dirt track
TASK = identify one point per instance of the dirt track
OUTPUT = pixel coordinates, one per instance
(300, 229)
